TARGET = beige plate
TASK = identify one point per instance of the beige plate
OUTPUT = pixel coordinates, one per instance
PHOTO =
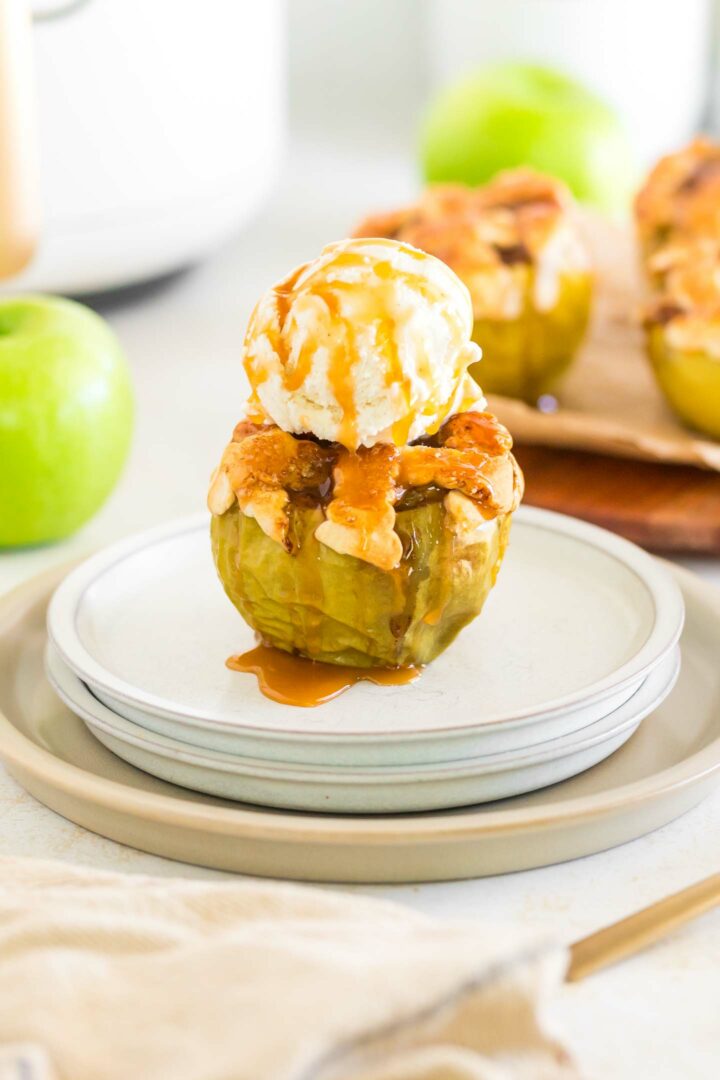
(667, 767)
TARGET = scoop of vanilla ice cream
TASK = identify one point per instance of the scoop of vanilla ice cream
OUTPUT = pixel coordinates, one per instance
(368, 343)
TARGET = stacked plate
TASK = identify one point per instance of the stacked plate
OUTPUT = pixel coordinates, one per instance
(576, 646)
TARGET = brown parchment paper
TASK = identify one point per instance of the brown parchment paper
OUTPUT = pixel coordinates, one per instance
(609, 402)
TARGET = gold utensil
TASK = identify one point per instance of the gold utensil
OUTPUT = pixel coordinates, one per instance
(634, 933)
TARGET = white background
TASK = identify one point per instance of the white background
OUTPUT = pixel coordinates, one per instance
(655, 1016)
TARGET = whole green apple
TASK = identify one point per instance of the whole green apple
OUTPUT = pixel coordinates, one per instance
(66, 412)
(508, 115)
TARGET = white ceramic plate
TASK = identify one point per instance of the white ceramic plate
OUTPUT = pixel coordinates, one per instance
(671, 763)
(359, 751)
(578, 616)
(370, 790)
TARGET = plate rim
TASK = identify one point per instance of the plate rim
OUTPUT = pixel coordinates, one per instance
(92, 712)
(290, 827)
(664, 592)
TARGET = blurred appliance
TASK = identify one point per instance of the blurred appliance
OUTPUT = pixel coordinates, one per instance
(159, 125)
(648, 58)
(715, 107)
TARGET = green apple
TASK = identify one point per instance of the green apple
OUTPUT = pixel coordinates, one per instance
(508, 115)
(66, 412)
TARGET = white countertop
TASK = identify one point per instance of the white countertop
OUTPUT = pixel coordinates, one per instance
(654, 1016)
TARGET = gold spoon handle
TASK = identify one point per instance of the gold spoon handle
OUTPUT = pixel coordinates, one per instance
(630, 935)
(19, 196)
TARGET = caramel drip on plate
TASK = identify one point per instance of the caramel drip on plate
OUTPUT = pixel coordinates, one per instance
(293, 680)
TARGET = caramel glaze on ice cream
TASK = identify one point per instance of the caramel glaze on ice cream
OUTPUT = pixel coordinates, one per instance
(368, 343)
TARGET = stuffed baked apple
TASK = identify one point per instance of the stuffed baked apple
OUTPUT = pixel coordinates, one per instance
(515, 243)
(362, 507)
(678, 220)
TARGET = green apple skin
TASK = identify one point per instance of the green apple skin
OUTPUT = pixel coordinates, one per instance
(66, 414)
(508, 115)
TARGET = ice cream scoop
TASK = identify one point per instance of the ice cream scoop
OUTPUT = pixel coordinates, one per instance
(369, 343)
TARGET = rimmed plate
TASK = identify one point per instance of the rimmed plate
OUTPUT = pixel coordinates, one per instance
(377, 790)
(669, 765)
(360, 751)
(578, 616)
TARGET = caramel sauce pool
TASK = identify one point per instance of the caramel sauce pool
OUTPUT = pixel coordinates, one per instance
(293, 680)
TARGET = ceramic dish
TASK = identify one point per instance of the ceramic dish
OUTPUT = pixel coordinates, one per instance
(672, 762)
(370, 791)
(350, 751)
(579, 617)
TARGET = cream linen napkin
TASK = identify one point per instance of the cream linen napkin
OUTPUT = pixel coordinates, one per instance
(114, 977)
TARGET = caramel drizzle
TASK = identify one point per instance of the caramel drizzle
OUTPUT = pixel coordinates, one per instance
(470, 455)
(340, 371)
(360, 519)
(342, 346)
(294, 680)
(260, 466)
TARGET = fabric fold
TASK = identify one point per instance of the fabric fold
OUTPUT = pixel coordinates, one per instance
(112, 976)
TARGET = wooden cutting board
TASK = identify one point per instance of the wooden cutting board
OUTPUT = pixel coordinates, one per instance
(666, 508)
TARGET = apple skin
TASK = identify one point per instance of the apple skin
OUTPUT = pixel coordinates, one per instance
(507, 115)
(66, 417)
